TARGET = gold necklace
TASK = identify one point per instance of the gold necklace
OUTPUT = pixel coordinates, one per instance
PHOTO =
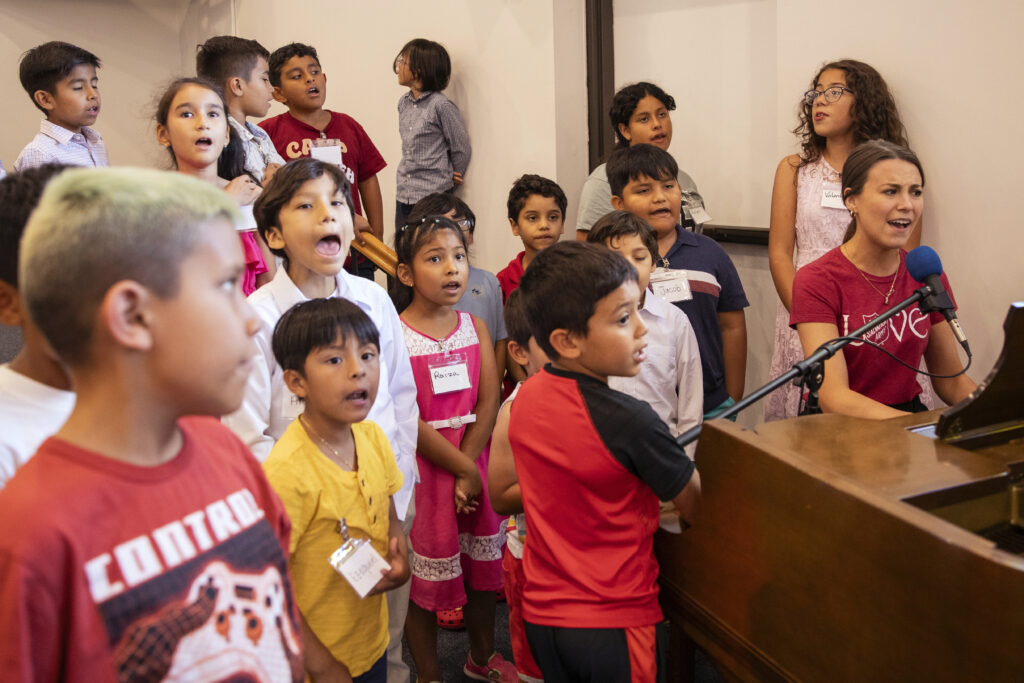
(892, 287)
(344, 462)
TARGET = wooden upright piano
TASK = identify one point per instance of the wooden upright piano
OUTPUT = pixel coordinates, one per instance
(831, 548)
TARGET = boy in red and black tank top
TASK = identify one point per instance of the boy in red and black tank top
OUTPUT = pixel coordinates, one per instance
(592, 464)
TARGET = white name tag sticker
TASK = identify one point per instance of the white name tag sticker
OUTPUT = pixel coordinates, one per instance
(671, 285)
(291, 405)
(445, 378)
(832, 196)
(329, 154)
(362, 568)
(699, 215)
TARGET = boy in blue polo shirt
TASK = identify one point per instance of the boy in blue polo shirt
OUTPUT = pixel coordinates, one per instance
(708, 290)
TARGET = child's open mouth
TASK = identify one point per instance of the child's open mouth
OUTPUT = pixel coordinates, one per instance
(358, 396)
(661, 213)
(204, 143)
(451, 286)
(329, 245)
(313, 91)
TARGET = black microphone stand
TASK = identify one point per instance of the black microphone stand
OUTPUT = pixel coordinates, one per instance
(810, 370)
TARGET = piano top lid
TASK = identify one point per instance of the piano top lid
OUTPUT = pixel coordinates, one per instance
(994, 413)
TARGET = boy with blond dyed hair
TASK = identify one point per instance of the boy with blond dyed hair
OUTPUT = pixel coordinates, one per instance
(170, 562)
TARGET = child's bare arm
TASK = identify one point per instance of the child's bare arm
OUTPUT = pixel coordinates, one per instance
(373, 204)
(500, 356)
(398, 556)
(502, 480)
(734, 351)
(687, 501)
(487, 399)
(318, 661)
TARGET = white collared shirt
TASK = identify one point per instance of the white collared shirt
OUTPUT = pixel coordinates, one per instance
(670, 379)
(56, 145)
(265, 412)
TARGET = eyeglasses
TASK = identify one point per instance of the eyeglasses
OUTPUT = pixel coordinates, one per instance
(832, 94)
(465, 224)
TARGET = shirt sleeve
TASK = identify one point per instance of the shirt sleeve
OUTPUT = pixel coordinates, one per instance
(595, 201)
(732, 297)
(454, 130)
(689, 380)
(30, 648)
(370, 160)
(393, 478)
(814, 298)
(653, 455)
(400, 381)
(252, 420)
(287, 477)
(494, 302)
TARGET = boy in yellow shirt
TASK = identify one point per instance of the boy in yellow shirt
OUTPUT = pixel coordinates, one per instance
(332, 464)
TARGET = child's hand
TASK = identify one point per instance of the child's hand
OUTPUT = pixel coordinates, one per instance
(467, 488)
(269, 172)
(243, 189)
(397, 575)
(457, 178)
(361, 225)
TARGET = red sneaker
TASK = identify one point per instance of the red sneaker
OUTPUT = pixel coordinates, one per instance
(496, 669)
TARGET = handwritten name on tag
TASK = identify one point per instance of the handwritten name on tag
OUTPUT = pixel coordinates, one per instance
(448, 378)
(362, 568)
(671, 285)
(832, 196)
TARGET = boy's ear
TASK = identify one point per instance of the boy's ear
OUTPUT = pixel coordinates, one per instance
(517, 352)
(295, 382)
(515, 226)
(44, 99)
(404, 274)
(565, 343)
(11, 313)
(236, 86)
(126, 315)
(279, 96)
(617, 203)
(274, 239)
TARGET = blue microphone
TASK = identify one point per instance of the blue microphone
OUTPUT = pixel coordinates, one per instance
(923, 265)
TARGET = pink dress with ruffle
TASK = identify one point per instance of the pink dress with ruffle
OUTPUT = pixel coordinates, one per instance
(449, 550)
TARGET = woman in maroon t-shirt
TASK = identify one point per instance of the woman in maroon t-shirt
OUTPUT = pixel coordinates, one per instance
(883, 187)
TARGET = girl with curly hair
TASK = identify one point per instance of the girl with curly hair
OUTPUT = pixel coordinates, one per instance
(848, 103)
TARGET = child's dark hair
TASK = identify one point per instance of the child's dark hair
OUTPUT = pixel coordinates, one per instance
(531, 184)
(564, 283)
(873, 111)
(517, 325)
(45, 65)
(19, 194)
(224, 57)
(859, 164)
(231, 162)
(624, 104)
(440, 203)
(282, 54)
(428, 62)
(615, 225)
(283, 186)
(409, 239)
(316, 323)
(629, 163)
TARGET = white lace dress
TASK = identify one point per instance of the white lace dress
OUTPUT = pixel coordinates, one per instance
(818, 230)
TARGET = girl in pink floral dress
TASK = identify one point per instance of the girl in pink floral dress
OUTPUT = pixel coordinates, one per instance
(457, 540)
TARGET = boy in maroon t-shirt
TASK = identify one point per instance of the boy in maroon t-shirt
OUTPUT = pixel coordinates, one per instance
(307, 129)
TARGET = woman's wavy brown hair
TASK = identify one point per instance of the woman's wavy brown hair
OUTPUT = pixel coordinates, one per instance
(874, 111)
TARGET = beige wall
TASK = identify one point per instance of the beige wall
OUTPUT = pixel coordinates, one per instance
(738, 68)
